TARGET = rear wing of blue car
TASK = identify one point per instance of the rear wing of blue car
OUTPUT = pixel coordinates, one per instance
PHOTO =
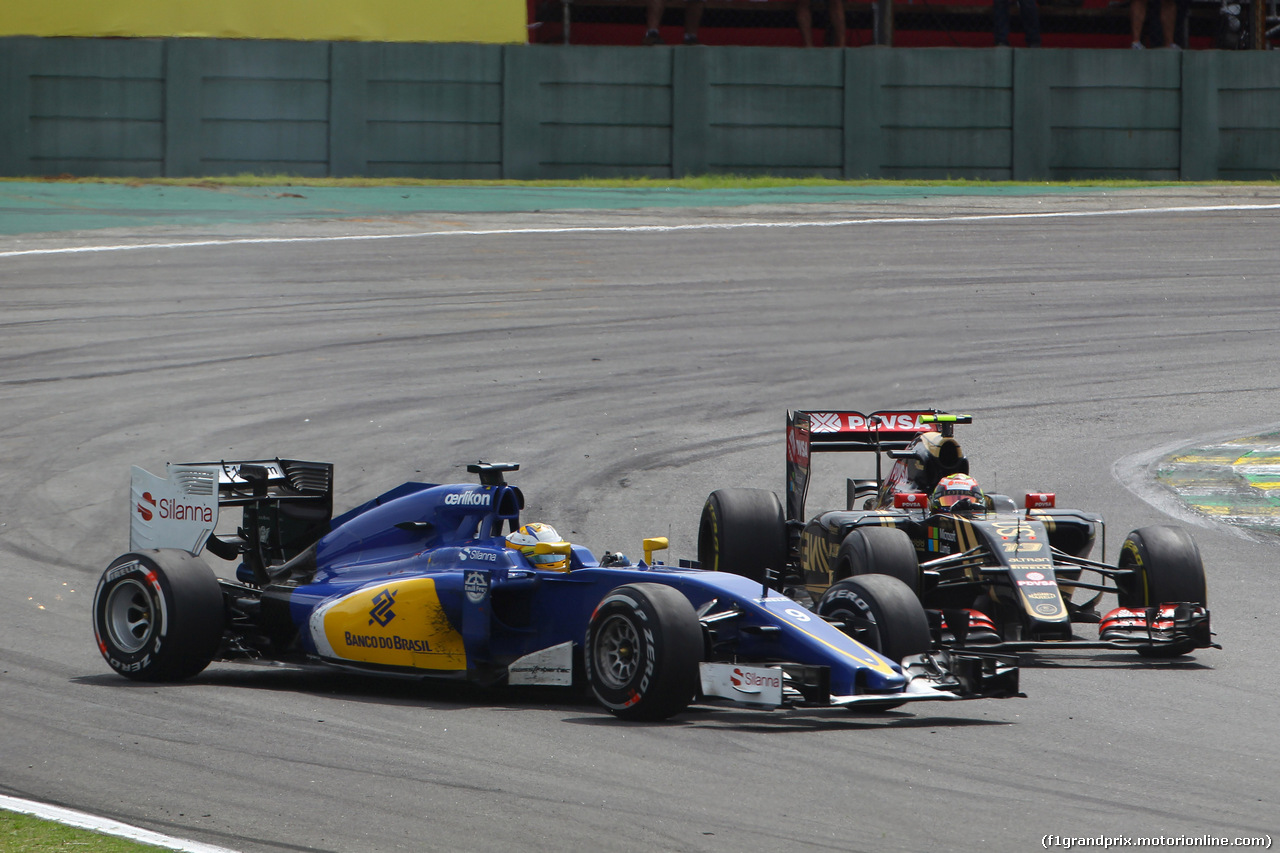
(287, 503)
(811, 432)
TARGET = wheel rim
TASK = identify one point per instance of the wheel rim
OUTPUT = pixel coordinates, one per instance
(616, 649)
(129, 616)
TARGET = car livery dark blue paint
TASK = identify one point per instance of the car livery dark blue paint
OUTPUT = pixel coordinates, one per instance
(420, 582)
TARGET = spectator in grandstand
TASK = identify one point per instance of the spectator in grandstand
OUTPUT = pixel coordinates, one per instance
(1138, 17)
(653, 19)
(804, 20)
(1028, 13)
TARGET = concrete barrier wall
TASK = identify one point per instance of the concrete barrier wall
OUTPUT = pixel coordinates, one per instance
(192, 107)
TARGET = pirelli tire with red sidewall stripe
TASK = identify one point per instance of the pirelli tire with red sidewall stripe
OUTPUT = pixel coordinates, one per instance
(643, 647)
(158, 615)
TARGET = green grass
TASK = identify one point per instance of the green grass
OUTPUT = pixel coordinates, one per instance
(20, 833)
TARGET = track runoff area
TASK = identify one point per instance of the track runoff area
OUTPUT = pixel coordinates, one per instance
(647, 228)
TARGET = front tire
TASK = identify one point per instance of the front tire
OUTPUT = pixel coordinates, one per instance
(879, 611)
(158, 615)
(744, 532)
(642, 651)
(882, 613)
(879, 551)
(1167, 569)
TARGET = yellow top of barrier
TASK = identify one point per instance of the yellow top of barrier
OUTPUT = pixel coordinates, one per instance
(472, 21)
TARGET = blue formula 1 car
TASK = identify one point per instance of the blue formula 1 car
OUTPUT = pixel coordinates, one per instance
(422, 582)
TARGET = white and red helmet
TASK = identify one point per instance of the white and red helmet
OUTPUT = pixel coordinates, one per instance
(954, 489)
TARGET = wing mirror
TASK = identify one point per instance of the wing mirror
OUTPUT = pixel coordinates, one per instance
(657, 543)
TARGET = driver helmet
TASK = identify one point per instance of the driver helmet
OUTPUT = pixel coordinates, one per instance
(955, 488)
(527, 537)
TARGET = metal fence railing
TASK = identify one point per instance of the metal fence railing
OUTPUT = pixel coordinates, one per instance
(1199, 24)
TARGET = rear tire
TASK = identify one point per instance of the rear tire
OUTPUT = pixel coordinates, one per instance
(879, 551)
(642, 651)
(1167, 569)
(158, 615)
(744, 532)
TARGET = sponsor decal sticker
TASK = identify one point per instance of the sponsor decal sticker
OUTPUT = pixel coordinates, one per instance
(179, 511)
(394, 641)
(468, 499)
(476, 586)
(553, 666)
(910, 500)
(941, 540)
(1035, 579)
(381, 612)
(392, 624)
(797, 447)
(755, 685)
(168, 508)
(824, 422)
(746, 680)
(858, 422)
(1014, 530)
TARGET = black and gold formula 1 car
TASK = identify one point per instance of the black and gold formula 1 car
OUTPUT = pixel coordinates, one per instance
(989, 573)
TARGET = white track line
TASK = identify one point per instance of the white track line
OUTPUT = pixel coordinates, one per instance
(82, 820)
(640, 229)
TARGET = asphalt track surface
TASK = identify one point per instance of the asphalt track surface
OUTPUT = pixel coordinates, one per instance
(632, 360)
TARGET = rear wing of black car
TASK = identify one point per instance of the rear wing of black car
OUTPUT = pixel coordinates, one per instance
(811, 432)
